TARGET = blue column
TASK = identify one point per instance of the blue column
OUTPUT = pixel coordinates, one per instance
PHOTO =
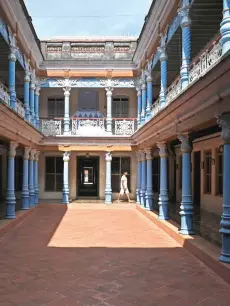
(163, 197)
(27, 95)
(225, 27)
(25, 185)
(144, 99)
(108, 185)
(32, 89)
(143, 178)
(10, 196)
(12, 92)
(109, 110)
(65, 190)
(164, 74)
(139, 106)
(149, 95)
(36, 190)
(31, 178)
(138, 177)
(66, 114)
(186, 43)
(186, 208)
(36, 107)
(149, 185)
(224, 122)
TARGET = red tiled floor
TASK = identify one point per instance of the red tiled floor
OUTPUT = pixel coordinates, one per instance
(97, 255)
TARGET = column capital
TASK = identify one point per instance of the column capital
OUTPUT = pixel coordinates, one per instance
(142, 155)
(36, 157)
(32, 154)
(67, 91)
(224, 122)
(186, 146)
(138, 155)
(66, 156)
(163, 54)
(12, 149)
(108, 156)
(27, 76)
(163, 151)
(37, 90)
(109, 91)
(183, 11)
(143, 86)
(32, 86)
(26, 153)
(148, 153)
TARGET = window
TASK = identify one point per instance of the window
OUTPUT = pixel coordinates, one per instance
(88, 100)
(55, 107)
(119, 166)
(156, 174)
(219, 172)
(120, 107)
(208, 171)
(18, 166)
(54, 174)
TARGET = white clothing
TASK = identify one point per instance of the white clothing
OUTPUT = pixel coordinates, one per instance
(124, 185)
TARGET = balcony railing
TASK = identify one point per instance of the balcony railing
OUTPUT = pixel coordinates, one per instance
(19, 108)
(88, 127)
(200, 66)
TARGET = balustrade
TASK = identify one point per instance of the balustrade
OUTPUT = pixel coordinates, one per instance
(4, 95)
(19, 108)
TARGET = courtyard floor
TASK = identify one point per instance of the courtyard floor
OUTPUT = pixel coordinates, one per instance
(99, 255)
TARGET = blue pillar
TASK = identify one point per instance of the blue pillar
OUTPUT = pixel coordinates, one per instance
(36, 190)
(12, 92)
(65, 190)
(31, 178)
(27, 95)
(32, 89)
(143, 178)
(225, 27)
(25, 186)
(186, 208)
(164, 73)
(139, 106)
(149, 184)
(108, 185)
(36, 107)
(10, 196)
(109, 110)
(138, 177)
(224, 122)
(66, 114)
(143, 98)
(149, 96)
(163, 197)
(186, 43)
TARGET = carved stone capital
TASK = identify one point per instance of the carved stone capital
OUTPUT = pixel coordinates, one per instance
(163, 151)
(27, 153)
(32, 154)
(163, 54)
(108, 157)
(138, 91)
(184, 12)
(138, 155)
(67, 91)
(12, 57)
(149, 78)
(148, 153)
(36, 157)
(32, 86)
(142, 154)
(186, 146)
(109, 91)
(224, 122)
(66, 156)
(143, 87)
(27, 76)
(12, 149)
(37, 90)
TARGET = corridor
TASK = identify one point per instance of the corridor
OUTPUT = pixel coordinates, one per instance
(92, 254)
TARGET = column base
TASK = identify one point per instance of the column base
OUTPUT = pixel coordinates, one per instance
(225, 259)
(25, 204)
(186, 232)
(10, 217)
(65, 198)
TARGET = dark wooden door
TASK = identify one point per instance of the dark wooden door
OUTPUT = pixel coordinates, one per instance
(197, 179)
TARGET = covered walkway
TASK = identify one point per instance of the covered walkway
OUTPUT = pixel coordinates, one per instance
(100, 255)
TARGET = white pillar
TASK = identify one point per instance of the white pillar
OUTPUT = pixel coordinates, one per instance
(109, 109)
(66, 115)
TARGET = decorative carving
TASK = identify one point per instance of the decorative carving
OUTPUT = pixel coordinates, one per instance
(224, 123)
(138, 155)
(142, 154)
(13, 42)
(124, 127)
(27, 153)
(36, 157)
(12, 149)
(186, 146)
(51, 127)
(32, 154)
(66, 156)
(20, 108)
(163, 152)
(67, 91)
(148, 153)
(108, 156)
(173, 91)
(94, 126)
(184, 14)
(4, 96)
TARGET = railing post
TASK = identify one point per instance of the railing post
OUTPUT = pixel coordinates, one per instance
(109, 110)
(224, 122)
(164, 70)
(108, 185)
(186, 43)
(66, 115)
(225, 27)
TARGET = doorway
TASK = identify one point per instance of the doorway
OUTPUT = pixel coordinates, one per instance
(197, 179)
(87, 176)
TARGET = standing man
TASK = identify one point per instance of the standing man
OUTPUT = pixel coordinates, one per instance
(124, 186)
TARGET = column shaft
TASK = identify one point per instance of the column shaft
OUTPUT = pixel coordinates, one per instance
(143, 179)
(27, 95)
(32, 113)
(139, 106)
(109, 110)
(66, 115)
(65, 190)
(138, 178)
(149, 185)
(149, 96)
(10, 197)
(25, 185)
(164, 72)
(36, 107)
(36, 190)
(31, 177)
(108, 184)
(144, 101)
(11, 80)
(225, 27)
